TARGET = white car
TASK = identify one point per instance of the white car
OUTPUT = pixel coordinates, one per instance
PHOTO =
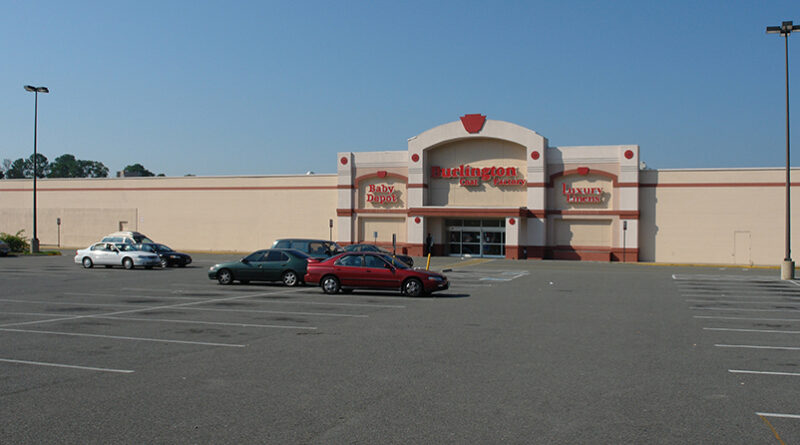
(110, 254)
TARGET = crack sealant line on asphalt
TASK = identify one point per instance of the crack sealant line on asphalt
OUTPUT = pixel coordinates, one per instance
(77, 317)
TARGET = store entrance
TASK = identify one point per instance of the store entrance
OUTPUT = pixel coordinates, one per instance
(476, 237)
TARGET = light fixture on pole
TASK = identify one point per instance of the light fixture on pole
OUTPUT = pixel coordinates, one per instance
(787, 267)
(35, 91)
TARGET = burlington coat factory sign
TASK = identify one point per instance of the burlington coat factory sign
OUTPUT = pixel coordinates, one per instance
(472, 176)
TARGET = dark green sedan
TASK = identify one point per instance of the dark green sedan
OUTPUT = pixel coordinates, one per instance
(287, 265)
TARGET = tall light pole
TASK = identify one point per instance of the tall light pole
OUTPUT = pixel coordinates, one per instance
(35, 91)
(787, 267)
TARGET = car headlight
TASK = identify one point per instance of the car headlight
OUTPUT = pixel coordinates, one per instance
(435, 278)
(214, 267)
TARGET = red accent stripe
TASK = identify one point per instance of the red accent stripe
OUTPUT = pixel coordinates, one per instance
(165, 189)
(719, 184)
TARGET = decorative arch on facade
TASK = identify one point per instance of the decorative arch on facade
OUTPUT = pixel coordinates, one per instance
(582, 172)
(381, 175)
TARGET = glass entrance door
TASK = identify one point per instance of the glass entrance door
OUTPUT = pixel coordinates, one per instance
(476, 237)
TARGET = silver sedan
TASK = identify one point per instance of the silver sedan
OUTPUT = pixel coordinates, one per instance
(110, 254)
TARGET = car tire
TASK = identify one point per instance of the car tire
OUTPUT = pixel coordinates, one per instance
(87, 263)
(330, 284)
(413, 287)
(164, 263)
(127, 263)
(225, 276)
(290, 278)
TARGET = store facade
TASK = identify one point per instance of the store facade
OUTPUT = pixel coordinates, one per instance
(478, 187)
(486, 188)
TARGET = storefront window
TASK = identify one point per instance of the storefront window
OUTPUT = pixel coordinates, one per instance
(476, 237)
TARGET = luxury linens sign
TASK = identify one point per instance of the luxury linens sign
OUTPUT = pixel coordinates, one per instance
(582, 195)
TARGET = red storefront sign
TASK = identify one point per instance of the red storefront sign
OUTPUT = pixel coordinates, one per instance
(381, 194)
(472, 176)
(582, 195)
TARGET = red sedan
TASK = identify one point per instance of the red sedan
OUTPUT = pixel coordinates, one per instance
(368, 270)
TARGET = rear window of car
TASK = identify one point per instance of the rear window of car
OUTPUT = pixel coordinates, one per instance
(276, 255)
(350, 261)
(299, 254)
(141, 239)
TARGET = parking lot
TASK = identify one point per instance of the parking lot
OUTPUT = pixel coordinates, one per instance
(514, 351)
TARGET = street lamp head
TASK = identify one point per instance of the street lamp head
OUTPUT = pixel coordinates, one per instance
(785, 29)
(34, 89)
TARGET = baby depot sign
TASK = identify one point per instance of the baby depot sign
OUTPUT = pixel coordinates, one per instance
(382, 194)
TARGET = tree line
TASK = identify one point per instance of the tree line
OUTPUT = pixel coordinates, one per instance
(64, 166)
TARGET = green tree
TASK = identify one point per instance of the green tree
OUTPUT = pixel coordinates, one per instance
(16, 170)
(137, 170)
(93, 169)
(67, 166)
(42, 166)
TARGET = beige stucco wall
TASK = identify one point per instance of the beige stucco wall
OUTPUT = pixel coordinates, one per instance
(713, 216)
(189, 213)
(716, 216)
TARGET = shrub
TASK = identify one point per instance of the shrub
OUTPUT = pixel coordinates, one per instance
(17, 243)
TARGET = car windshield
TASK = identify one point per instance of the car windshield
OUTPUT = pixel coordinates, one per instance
(162, 248)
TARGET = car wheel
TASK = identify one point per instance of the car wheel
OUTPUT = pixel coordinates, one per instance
(412, 287)
(164, 263)
(127, 263)
(87, 263)
(225, 276)
(289, 278)
(330, 284)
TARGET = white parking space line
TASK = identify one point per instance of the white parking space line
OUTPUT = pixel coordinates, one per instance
(261, 311)
(780, 348)
(729, 309)
(764, 331)
(143, 309)
(58, 365)
(172, 297)
(118, 337)
(321, 303)
(216, 323)
(694, 300)
(714, 317)
(742, 371)
(786, 416)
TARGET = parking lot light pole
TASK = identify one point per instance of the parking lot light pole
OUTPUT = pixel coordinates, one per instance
(787, 267)
(35, 91)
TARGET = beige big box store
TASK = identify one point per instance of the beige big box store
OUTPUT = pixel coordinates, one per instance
(476, 186)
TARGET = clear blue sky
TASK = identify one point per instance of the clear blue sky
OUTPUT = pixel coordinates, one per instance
(233, 87)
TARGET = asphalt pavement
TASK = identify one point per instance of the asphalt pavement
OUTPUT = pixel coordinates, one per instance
(527, 352)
